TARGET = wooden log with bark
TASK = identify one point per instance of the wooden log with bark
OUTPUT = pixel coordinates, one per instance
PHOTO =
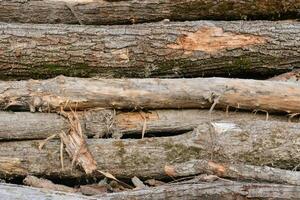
(234, 171)
(127, 12)
(215, 190)
(80, 94)
(105, 123)
(176, 49)
(260, 143)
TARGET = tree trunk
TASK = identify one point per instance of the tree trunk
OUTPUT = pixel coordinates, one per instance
(101, 123)
(269, 143)
(127, 12)
(234, 171)
(215, 190)
(187, 49)
(80, 94)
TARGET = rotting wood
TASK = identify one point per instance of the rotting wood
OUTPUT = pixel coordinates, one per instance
(219, 190)
(260, 143)
(235, 170)
(128, 12)
(80, 94)
(101, 123)
(176, 49)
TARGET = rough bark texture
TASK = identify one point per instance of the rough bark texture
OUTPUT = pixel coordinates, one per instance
(187, 49)
(102, 123)
(130, 11)
(80, 94)
(236, 171)
(258, 143)
(215, 190)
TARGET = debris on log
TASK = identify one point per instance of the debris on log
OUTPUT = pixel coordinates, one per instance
(234, 170)
(130, 12)
(80, 94)
(76, 146)
(260, 143)
(46, 184)
(177, 49)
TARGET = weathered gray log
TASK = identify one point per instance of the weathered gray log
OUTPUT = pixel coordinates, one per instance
(235, 170)
(79, 93)
(125, 12)
(257, 143)
(18, 192)
(100, 123)
(177, 49)
(215, 190)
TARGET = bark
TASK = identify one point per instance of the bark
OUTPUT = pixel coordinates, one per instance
(236, 171)
(127, 12)
(260, 143)
(103, 123)
(215, 190)
(80, 94)
(187, 49)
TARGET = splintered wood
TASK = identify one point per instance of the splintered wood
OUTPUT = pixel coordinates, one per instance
(76, 146)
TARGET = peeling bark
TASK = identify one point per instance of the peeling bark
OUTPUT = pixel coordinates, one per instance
(215, 190)
(176, 49)
(260, 143)
(81, 94)
(236, 171)
(101, 123)
(127, 12)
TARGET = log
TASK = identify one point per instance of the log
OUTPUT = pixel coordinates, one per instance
(177, 49)
(80, 94)
(127, 12)
(260, 143)
(234, 171)
(102, 123)
(10, 191)
(215, 190)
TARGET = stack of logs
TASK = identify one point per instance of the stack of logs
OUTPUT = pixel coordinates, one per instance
(142, 106)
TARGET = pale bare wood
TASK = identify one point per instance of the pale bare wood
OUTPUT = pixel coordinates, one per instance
(260, 143)
(175, 49)
(121, 12)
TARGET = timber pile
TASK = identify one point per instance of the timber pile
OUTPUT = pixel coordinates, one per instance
(97, 104)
